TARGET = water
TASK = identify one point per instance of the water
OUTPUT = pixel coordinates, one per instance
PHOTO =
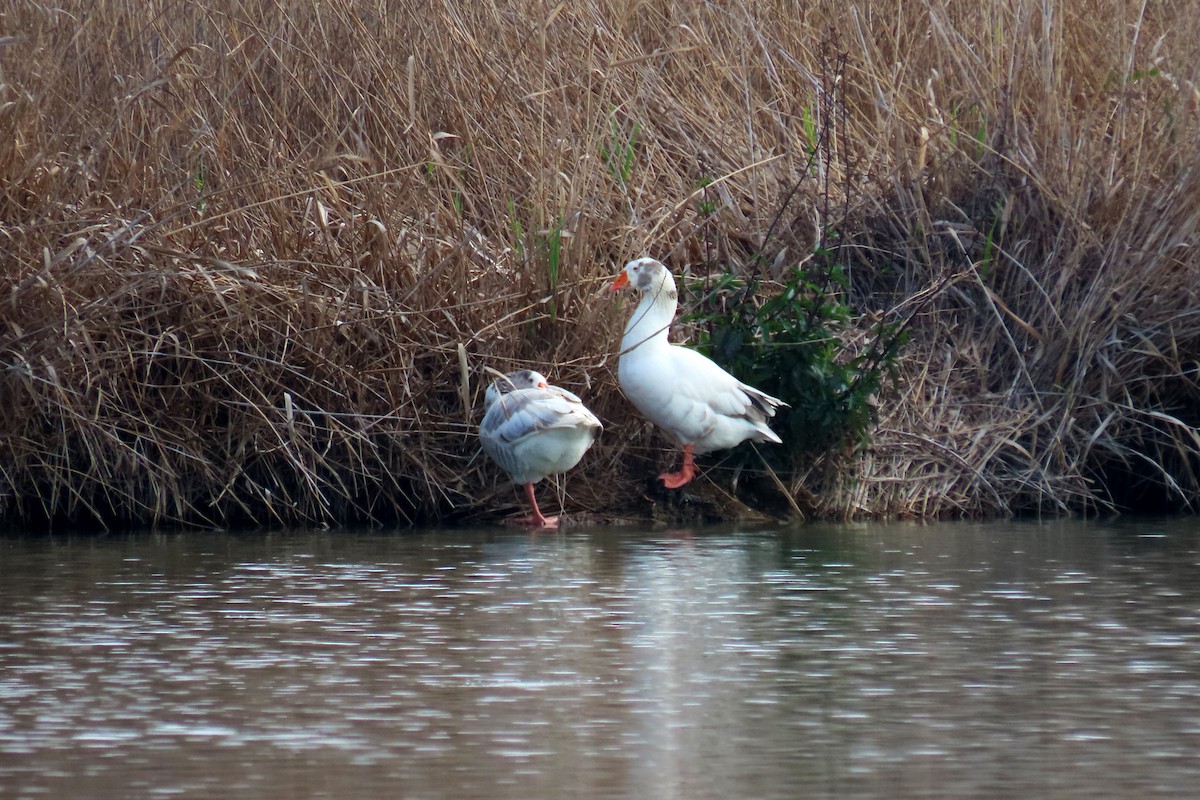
(958, 661)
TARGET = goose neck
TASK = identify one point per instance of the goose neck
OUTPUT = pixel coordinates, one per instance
(650, 322)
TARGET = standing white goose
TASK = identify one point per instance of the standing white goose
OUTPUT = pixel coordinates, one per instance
(532, 430)
(700, 405)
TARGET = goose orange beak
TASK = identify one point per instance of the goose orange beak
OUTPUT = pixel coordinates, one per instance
(620, 282)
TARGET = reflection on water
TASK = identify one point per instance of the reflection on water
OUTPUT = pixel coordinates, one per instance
(951, 660)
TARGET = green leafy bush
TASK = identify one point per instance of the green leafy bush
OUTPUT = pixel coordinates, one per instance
(790, 343)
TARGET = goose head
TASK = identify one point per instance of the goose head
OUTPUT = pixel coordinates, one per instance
(521, 379)
(647, 276)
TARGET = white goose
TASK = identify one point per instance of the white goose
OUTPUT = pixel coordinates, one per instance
(532, 430)
(700, 405)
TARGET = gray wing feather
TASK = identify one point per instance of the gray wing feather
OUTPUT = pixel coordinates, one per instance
(527, 411)
(524, 414)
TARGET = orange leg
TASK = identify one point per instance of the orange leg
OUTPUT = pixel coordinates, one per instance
(536, 520)
(687, 471)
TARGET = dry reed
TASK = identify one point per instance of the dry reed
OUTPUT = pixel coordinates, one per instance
(248, 245)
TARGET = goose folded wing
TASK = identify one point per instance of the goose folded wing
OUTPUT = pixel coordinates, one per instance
(527, 412)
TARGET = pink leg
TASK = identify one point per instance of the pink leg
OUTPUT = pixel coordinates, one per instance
(687, 471)
(536, 520)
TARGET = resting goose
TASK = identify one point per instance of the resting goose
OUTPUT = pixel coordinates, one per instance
(700, 405)
(532, 430)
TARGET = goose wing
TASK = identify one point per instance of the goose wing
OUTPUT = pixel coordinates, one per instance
(701, 393)
(526, 412)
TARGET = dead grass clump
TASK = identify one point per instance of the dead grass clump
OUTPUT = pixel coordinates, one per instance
(1050, 187)
(248, 247)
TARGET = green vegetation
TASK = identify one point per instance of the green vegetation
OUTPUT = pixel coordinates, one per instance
(792, 344)
(620, 151)
(256, 255)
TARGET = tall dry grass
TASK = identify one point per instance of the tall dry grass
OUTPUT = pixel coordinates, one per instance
(256, 253)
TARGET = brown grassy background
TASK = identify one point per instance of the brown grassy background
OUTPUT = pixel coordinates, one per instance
(248, 247)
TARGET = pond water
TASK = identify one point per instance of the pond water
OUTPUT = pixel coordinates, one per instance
(952, 660)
